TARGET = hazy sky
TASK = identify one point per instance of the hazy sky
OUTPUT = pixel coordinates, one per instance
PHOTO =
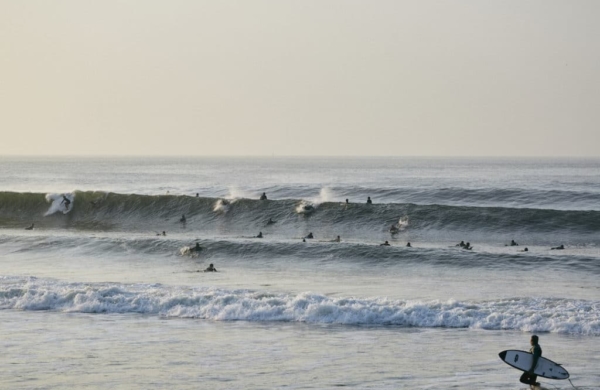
(257, 77)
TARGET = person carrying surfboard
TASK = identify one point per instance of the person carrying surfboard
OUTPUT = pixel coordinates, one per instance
(528, 377)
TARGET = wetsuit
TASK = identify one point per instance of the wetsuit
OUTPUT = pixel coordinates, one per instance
(528, 377)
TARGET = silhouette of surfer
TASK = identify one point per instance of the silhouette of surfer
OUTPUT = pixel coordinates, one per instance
(309, 236)
(271, 222)
(162, 234)
(259, 235)
(408, 245)
(263, 196)
(66, 201)
(211, 268)
(513, 243)
(394, 229)
(347, 201)
(30, 227)
(525, 250)
(528, 377)
(197, 248)
(558, 247)
(182, 219)
(337, 239)
(369, 201)
(385, 244)
(467, 246)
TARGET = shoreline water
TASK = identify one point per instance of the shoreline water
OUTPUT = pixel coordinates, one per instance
(95, 299)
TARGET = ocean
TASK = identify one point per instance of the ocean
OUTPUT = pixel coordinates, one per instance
(96, 297)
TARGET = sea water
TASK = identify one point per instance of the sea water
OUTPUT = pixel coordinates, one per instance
(98, 298)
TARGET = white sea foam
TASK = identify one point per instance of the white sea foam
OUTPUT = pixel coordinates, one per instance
(56, 203)
(567, 316)
(222, 205)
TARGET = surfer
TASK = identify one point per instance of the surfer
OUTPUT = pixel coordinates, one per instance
(197, 195)
(558, 247)
(467, 246)
(182, 219)
(369, 201)
(259, 235)
(310, 236)
(528, 377)
(263, 196)
(211, 268)
(394, 229)
(270, 221)
(347, 201)
(337, 239)
(385, 244)
(513, 243)
(196, 248)
(461, 244)
(162, 234)
(304, 240)
(30, 227)
(408, 245)
(525, 250)
(66, 201)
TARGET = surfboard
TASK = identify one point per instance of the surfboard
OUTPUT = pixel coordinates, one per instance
(521, 360)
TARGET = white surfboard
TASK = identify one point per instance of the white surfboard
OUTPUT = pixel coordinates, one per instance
(521, 360)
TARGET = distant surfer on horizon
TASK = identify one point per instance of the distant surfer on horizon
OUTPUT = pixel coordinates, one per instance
(408, 245)
(461, 244)
(337, 239)
(525, 250)
(162, 234)
(369, 201)
(259, 235)
(347, 201)
(30, 227)
(211, 268)
(528, 377)
(182, 219)
(197, 248)
(385, 244)
(558, 247)
(394, 229)
(263, 196)
(467, 246)
(309, 236)
(66, 201)
(513, 243)
(270, 221)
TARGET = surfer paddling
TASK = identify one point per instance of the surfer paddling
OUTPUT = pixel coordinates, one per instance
(528, 377)
(211, 268)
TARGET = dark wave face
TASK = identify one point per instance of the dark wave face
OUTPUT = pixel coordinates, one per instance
(296, 218)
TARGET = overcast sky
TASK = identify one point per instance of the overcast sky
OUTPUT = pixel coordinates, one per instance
(255, 77)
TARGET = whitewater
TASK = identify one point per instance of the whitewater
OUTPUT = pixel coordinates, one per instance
(96, 296)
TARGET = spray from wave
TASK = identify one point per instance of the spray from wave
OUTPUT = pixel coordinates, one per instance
(57, 203)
